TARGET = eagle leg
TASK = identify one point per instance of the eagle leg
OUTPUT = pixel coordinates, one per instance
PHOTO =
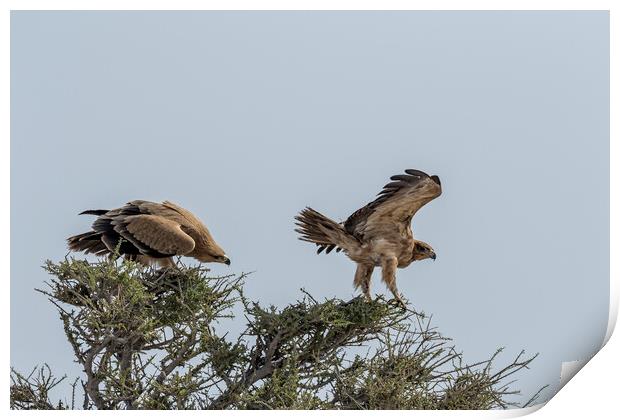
(388, 275)
(362, 279)
(147, 261)
(166, 262)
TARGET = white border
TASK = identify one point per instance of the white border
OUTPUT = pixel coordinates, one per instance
(590, 393)
(310, 5)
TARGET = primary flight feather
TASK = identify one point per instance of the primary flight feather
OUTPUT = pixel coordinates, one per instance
(379, 234)
(150, 233)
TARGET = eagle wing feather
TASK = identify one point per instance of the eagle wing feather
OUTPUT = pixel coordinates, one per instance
(151, 232)
(396, 204)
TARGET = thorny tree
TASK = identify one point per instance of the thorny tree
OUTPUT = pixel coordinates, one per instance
(152, 339)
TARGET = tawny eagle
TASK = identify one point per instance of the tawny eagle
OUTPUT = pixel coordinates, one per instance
(149, 233)
(379, 234)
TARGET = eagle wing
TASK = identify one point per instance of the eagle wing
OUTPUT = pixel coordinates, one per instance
(154, 235)
(395, 205)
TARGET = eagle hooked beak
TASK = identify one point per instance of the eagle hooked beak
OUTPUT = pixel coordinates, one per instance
(227, 261)
(433, 256)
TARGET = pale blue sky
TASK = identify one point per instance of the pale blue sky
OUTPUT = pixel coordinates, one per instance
(247, 117)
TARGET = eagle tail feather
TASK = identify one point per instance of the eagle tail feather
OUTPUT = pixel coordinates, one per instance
(322, 231)
(89, 242)
(95, 212)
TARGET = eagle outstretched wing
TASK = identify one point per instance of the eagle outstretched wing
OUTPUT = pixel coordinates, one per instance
(396, 204)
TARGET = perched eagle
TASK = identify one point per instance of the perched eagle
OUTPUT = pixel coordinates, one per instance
(149, 233)
(379, 234)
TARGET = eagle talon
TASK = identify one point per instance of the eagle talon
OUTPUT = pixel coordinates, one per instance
(398, 301)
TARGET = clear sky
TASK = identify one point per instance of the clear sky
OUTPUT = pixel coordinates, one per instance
(246, 117)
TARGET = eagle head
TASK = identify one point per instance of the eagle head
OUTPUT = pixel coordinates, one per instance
(422, 251)
(221, 259)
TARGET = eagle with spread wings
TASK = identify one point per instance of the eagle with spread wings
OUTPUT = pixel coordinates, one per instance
(150, 233)
(379, 234)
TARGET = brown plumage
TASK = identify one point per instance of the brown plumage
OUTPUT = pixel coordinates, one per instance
(150, 233)
(379, 234)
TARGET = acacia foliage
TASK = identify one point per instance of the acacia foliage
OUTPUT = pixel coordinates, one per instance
(153, 339)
